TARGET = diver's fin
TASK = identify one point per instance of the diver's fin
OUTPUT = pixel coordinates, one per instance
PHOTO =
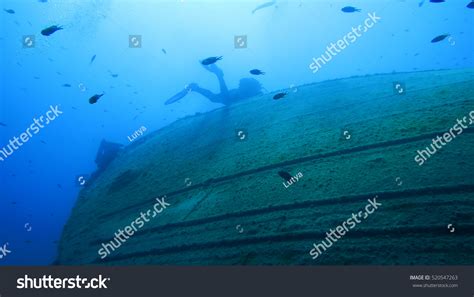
(178, 96)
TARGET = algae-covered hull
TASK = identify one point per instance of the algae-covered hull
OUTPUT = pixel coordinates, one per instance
(347, 140)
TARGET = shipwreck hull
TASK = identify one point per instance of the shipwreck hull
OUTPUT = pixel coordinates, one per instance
(351, 139)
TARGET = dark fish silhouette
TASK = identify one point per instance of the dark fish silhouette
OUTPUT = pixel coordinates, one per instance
(50, 30)
(163, 50)
(42, 141)
(285, 175)
(210, 60)
(113, 74)
(266, 4)
(421, 3)
(95, 98)
(436, 1)
(350, 9)
(470, 5)
(66, 85)
(10, 11)
(257, 72)
(439, 38)
(92, 59)
(2, 124)
(280, 95)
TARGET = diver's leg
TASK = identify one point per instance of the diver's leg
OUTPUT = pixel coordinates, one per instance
(220, 77)
(206, 93)
(222, 85)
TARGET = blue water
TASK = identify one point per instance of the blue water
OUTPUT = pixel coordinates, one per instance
(38, 181)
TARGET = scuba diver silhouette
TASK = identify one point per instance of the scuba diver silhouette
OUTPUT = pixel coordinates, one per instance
(248, 87)
(105, 155)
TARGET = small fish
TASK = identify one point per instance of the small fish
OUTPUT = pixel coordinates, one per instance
(66, 85)
(113, 75)
(257, 72)
(10, 11)
(421, 3)
(163, 50)
(59, 186)
(3, 124)
(439, 38)
(210, 60)
(280, 95)
(266, 4)
(92, 59)
(436, 1)
(74, 108)
(43, 1)
(285, 175)
(50, 30)
(95, 98)
(470, 5)
(42, 141)
(350, 9)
